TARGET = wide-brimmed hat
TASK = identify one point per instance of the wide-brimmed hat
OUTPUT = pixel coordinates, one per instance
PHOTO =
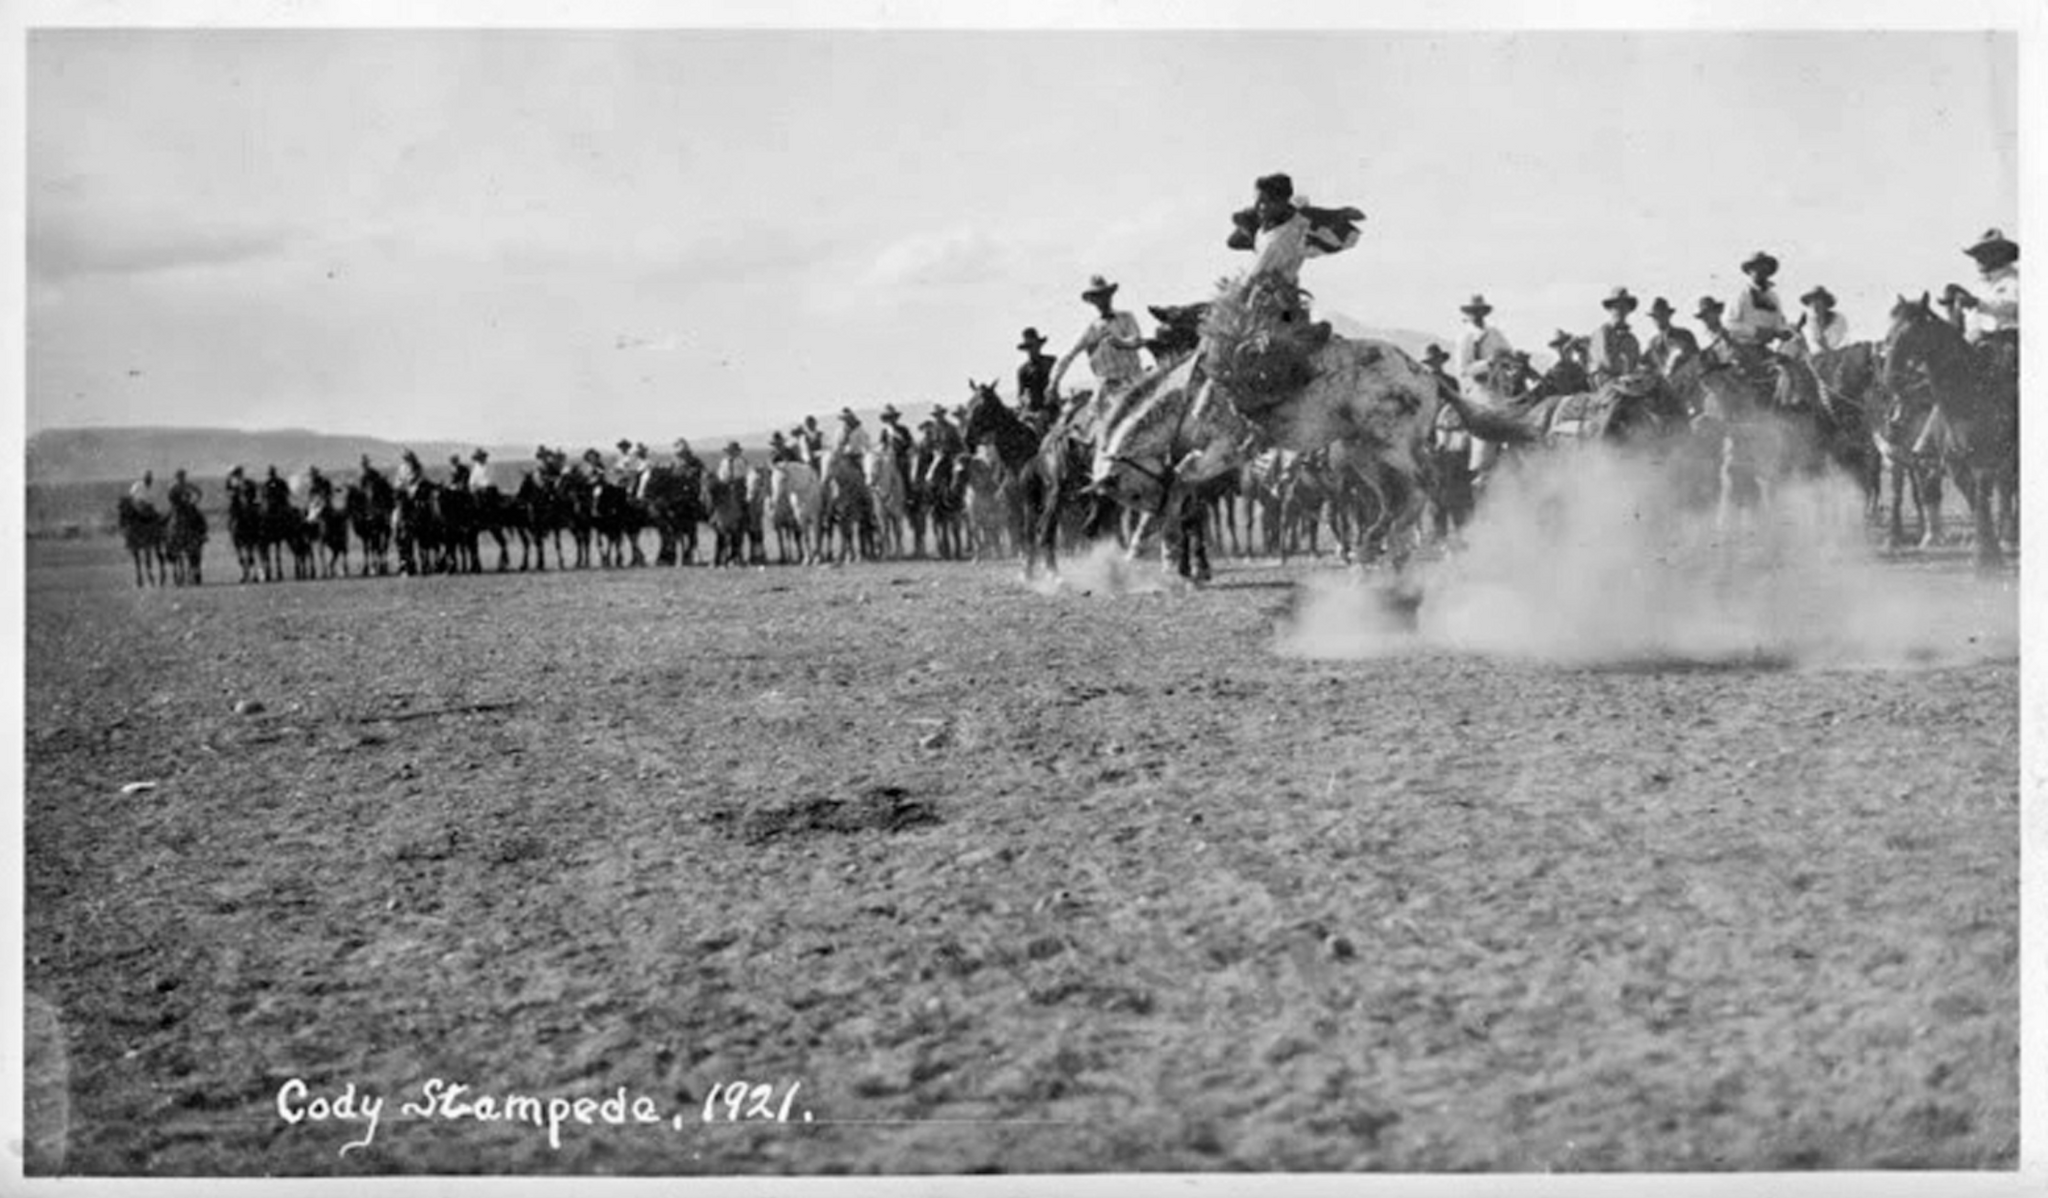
(774, 437)
(1275, 186)
(1760, 262)
(1994, 244)
(889, 412)
(847, 415)
(481, 455)
(1818, 296)
(1561, 341)
(1097, 285)
(624, 444)
(1709, 306)
(1434, 354)
(732, 447)
(1662, 307)
(1477, 305)
(939, 409)
(1619, 298)
(1031, 339)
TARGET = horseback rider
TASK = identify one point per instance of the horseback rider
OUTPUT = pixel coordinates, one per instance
(1567, 375)
(894, 440)
(277, 493)
(688, 463)
(142, 492)
(410, 473)
(643, 471)
(1612, 350)
(1111, 341)
(1720, 347)
(1756, 323)
(1669, 345)
(319, 493)
(1822, 329)
(365, 472)
(480, 476)
(1034, 379)
(852, 441)
(813, 439)
(1991, 321)
(181, 490)
(780, 450)
(945, 445)
(1285, 232)
(1480, 345)
(732, 467)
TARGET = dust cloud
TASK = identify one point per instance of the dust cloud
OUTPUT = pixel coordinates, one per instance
(1592, 558)
(1106, 571)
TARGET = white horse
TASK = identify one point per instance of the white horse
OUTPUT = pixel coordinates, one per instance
(796, 504)
(887, 493)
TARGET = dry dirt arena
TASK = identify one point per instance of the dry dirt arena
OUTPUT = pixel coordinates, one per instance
(986, 878)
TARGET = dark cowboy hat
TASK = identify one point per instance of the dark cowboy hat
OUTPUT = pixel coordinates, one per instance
(1476, 304)
(1662, 307)
(1760, 262)
(481, 455)
(847, 415)
(1561, 341)
(732, 447)
(1097, 285)
(1818, 297)
(1709, 306)
(939, 409)
(1619, 298)
(1031, 339)
(775, 437)
(1434, 354)
(624, 444)
(1994, 244)
(1275, 186)
(889, 412)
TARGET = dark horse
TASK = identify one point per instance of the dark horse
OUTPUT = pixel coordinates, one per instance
(728, 503)
(142, 530)
(1047, 474)
(185, 539)
(618, 519)
(675, 508)
(1976, 397)
(246, 529)
(370, 507)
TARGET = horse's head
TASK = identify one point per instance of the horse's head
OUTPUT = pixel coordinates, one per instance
(983, 407)
(1916, 337)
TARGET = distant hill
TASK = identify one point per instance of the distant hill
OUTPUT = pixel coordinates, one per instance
(78, 455)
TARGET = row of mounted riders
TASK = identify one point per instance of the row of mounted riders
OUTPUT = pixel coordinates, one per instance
(855, 508)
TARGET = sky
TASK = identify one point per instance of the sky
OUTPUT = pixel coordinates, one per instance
(568, 236)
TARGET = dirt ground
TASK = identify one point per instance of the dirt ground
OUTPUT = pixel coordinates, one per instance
(1000, 880)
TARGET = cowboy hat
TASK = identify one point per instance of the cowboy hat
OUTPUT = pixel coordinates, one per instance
(1275, 186)
(481, 455)
(1710, 306)
(1476, 305)
(1560, 341)
(1619, 298)
(1662, 307)
(775, 437)
(1760, 262)
(939, 409)
(1031, 339)
(1994, 244)
(732, 447)
(624, 444)
(1817, 297)
(889, 412)
(1097, 285)
(1435, 353)
(847, 415)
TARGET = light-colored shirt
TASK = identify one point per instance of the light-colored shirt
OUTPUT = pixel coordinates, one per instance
(1824, 335)
(1281, 249)
(1112, 364)
(141, 492)
(1477, 348)
(731, 469)
(482, 477)
(1750, 317)
(1998, 303)
(852, 440)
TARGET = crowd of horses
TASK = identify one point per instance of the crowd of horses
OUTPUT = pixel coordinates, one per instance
(1022, 489)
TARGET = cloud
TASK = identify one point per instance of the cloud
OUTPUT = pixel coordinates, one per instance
(66, 241)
